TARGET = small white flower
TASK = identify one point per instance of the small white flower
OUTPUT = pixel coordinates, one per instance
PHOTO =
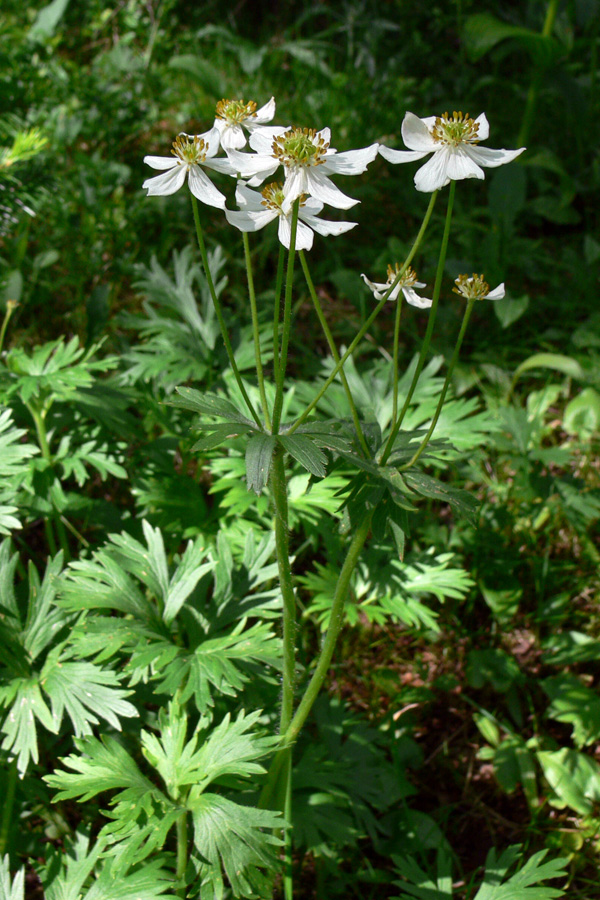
(232, 116)
(406, 284)
(260, 209)
(189, 153)
(308, 160)
(454, 144)
(474, 287)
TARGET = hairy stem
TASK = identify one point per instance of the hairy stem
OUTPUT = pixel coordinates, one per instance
(440, 405)
(334, 353)
(432, 314)
(220, 319)
(182, 851)
(255, 332)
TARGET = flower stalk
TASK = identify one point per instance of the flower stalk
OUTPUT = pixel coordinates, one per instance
(255, 331)
(287, 318)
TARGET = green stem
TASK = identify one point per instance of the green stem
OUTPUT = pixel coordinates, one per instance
(334, 353)
(7, 809)
(276, 310)
(10, 307)
(42, 435)
(440, 405)
(282, 548)
(395, 355)
(288, 879)
(537, 79)
(217, 305)
(417, 243)
(287, 317)
(257, 353)
(182, 851)
(432, 314)
(316, 682)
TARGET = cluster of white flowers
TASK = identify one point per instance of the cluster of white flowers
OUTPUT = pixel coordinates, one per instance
(308, 161)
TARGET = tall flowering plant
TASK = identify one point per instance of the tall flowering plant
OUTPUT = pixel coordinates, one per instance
(298, 166)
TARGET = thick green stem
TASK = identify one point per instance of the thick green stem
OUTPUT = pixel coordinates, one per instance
(282, 548)
(182, 851)
(354, 344)
(218, 311)
(255, 332)
(334, 353)
(287, 318)
(7, 809)
(432, 314)
(440, 405)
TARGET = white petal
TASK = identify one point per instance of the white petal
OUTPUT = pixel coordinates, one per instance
(379, 290)
(325, 226)
(462, 165)
(416, 133)
(492, 158)
(222, 165)
(320, 187)
(212, 139)
(413, 298)
(295, 184)
(401, 156)
(250, 221)
(351, 162)
(434, 174)
(220, 125)
(304, 237)
(262, 139)
(167, 183)
(497, 294)
(284, 231)
(324, 133)
(248, 199)
(255, 166)
(311, 207)
(202, 187)
(264, 114)
(161, 162)
(233, 138)
(484, 127)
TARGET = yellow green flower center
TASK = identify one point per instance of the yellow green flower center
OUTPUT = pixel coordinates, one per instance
(273, 197)
(455, 130)
(190, 150)
(300, 147)
(407, 280)
(234, 112)
(473, 287)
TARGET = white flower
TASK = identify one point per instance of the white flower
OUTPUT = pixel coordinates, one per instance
(474, 287)
(406, 284)
(189, 153)
(454, 144)
(232, 116)
(308, 160)
(260, 209)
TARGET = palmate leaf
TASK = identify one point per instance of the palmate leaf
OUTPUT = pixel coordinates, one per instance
(14, 890)
(19, 726)
(233, 841)
(524, 884)
(80, 873)
(259, 453)
(13, 453)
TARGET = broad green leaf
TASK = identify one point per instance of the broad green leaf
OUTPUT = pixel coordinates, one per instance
(218, 434)
(582, 414)
(576, 704)
(570, 648)
(573, 776)
(462, 502)
(259, 453)
(557, 362)
(484, 31)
